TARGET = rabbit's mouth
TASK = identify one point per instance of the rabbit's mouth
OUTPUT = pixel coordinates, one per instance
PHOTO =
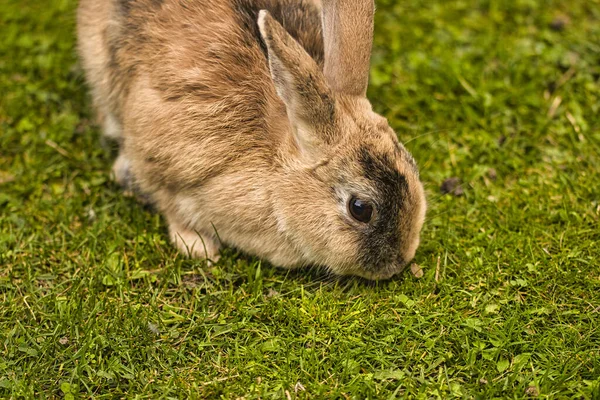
(379, 273)
(375, 276)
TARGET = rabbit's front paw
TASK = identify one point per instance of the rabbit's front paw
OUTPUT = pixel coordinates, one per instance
(194, 244)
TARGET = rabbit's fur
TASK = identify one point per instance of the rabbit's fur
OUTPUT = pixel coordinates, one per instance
(243, 131)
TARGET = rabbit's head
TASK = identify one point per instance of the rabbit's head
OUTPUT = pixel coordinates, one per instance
(351, 199)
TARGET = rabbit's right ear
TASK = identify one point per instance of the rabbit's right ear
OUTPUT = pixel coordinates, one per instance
(348, 37)
(301, 85)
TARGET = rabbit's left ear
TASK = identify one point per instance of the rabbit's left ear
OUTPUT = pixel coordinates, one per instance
(300, 84)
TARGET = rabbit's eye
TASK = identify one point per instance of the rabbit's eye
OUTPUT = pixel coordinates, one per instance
(360, 210)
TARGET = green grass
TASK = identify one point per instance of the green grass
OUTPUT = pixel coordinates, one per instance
(95, 303)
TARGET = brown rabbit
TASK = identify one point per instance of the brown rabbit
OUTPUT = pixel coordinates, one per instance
(245, 122)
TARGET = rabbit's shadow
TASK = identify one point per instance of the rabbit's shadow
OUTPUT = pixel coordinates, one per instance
(241, 268)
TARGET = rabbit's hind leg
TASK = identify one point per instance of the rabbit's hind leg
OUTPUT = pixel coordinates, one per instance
(122, 175)
(112, 127)
(121, 171)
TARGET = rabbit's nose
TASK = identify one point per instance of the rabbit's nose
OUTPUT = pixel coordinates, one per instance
(401, 261)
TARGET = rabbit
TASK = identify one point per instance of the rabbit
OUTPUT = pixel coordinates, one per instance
(246, 123)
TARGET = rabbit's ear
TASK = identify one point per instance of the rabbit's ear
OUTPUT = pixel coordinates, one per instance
(301, 86)
(348, 37)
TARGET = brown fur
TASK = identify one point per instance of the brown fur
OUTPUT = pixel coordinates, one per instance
(248, 137)
(348, 39)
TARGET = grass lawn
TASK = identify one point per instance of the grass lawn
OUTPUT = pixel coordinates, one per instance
(504, 95)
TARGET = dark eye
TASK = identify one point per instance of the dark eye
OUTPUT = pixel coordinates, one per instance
(360, 210)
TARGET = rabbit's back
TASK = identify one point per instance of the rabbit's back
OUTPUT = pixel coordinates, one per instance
(188, 82)
(209, 50)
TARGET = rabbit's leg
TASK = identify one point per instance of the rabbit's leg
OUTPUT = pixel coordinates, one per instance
(111, 126)
(121, 171)
(111, 129)
(194, 244)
